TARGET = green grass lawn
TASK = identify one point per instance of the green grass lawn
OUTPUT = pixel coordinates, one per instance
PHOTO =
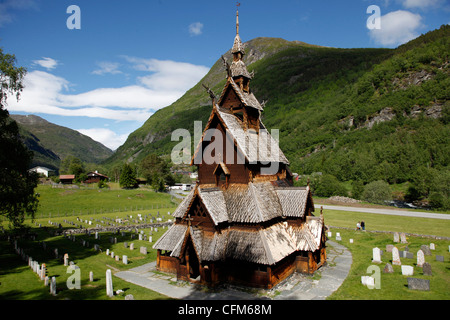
(18, 282)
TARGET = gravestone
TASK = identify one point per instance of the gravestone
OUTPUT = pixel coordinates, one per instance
(150, 239)
(53, 286)
(132, 246)
(426, 250)
(376, 255)
(125, 244)
(351, 240)
(407, 270)
(409, 255)
(330, 234)
(43, 270)
(125, 259)
(439, 258)
(418, 284)
(403, 238)
(129, 297)
(143, 250)
(396, 257)
(396, 237)
(107, 252)
(388, 268)
(109, 284)
(117, 258)
(91, 276)
(432, 247)
(427, 269)
(66, 259)
(389, 247)
(46, 281)
(420, 258)
(368, 281)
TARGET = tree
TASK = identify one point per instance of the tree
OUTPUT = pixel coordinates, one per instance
(17, 196)
(377, 192)
(128, 177)
(156, 168)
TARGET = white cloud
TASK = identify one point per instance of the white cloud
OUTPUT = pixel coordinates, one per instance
(106, 137)
(47, 63)
(163, 84)
(107, 67)
(196, 29)
(422, 4)
(397, 27)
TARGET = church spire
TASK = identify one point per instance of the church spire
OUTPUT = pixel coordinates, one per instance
(238, 48)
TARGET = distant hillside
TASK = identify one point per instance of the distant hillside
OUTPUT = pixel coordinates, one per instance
(357, 114)
(51, 143)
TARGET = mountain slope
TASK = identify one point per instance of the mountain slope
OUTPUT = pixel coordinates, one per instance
(357, 114)
(51, 143)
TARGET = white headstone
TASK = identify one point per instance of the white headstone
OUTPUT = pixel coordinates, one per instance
(351, 240)
(66, 259)
(109, 284)
(91, 276)
(396, 257)
(53, 286)
(125, 259)
(330, 234)
(376, 255)
(420, 258)
(132, 246)
(407, 270)
(396, 237)
(107, 252)
(403, 238)
(432, 247)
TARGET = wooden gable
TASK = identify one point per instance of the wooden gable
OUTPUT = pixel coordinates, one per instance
(197, 214)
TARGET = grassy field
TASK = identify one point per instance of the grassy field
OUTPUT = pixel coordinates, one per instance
(60, 206)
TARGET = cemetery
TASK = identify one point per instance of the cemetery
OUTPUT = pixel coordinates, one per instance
(43, 264)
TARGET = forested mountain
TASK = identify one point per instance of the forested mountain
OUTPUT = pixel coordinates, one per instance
(51, 143)
(356, 115)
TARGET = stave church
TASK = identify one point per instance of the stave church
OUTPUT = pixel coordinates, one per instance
(244, 222)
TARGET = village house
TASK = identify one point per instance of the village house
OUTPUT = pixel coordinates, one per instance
(95, 177)
(242, 223)
(66, 178)
(42, 170)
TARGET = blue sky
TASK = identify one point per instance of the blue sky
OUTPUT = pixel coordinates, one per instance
(131, 58)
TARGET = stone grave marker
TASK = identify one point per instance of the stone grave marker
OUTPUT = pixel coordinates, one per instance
(389, 247)
(53, 286)
(418, 284)
(427, 269)
(376, 255)
(439, 258)
(407, 270)
(426, 250)
(388, 268)
(143, 250)
(403, 238)
(420, 258)
(432, 246)
(396, 237)
(66, 259)
(91, 276)
(132, 246)
(109, 284)
(396, 257)
(125, 259)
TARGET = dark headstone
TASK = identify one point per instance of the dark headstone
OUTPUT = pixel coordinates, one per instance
(426, 250)
(427, 269)
(440, 258)
(418, 284)
(409, 255)
(388, 268)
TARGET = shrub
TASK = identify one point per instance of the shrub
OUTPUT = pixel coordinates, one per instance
(377, 192)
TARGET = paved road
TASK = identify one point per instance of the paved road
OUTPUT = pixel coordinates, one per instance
(417, 214)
